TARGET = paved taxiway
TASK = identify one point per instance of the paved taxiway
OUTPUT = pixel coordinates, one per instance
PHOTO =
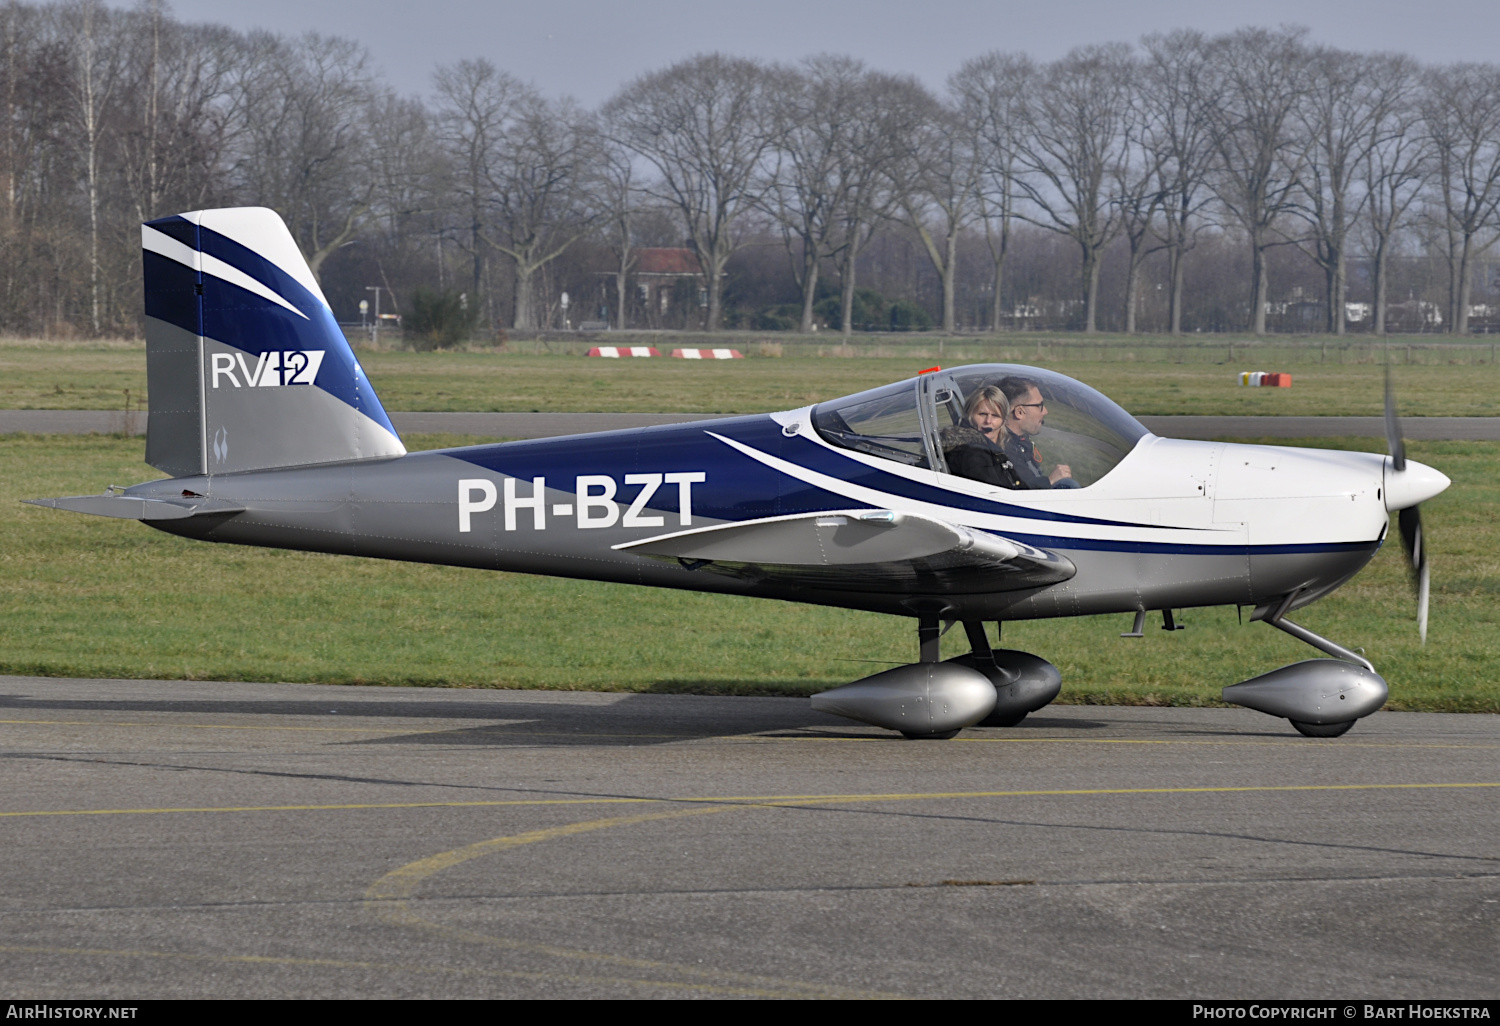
(188, 839)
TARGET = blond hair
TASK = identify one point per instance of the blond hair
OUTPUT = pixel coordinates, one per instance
(990, 394)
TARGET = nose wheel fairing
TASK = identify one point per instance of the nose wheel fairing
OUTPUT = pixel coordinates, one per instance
(1321, 697)
(1320, 692)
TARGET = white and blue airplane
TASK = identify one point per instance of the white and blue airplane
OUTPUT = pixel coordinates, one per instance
(272, 435)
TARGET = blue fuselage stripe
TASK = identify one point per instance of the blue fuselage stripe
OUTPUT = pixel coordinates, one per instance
(741, 488)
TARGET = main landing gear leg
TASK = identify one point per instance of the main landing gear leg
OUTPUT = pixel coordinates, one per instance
(929, 640)
(979, 643)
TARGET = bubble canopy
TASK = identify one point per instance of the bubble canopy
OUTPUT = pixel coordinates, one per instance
(1083, 429)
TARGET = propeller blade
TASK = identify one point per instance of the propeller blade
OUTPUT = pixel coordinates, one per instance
(1393, 441)
(1422, 591)
(1409, 519)
(1410, 523)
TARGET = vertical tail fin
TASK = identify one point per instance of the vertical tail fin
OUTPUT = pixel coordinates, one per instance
(246, 367)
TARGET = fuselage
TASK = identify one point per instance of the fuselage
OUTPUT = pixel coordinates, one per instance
(1174, 524)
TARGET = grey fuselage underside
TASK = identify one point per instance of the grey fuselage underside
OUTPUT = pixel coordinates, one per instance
(406, 509)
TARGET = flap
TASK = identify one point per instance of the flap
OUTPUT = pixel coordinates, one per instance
(129, 507)
(861, 550)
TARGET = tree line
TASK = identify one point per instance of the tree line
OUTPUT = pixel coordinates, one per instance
(1187, 182)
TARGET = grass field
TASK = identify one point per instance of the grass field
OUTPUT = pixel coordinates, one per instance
(88, 596)
(81, 378)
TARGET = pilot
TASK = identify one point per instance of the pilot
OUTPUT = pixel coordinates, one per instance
(972, 448)
(1023, 419)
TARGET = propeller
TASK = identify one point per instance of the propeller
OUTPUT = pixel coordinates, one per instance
(1409, 520)
(1393, 439)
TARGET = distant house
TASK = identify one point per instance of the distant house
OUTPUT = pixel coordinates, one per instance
(659, 277)
(657, 274)
(667, 262)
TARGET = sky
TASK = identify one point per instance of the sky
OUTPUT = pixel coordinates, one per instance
(588, 48)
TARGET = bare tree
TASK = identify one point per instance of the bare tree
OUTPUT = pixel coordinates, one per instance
(473, 101)
(409, 172)
(836, 126)
(1395, 168)
(1462, 108)
(179, 113)
(97, 74)
(38, 167)
(1073, 150)
(615, 197)
(990, 91)
(701, 125)
(890, 108)
(1141, 193)
(537, 188)
(405, 159)
(1263, 81)
(814, 110)
(303, 151)
(933, 178)
(1179, 89)
(1339, 117)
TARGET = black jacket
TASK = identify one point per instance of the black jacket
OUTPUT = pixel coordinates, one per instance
(970, 454)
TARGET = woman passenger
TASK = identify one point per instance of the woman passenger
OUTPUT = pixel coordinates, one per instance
(972, 449)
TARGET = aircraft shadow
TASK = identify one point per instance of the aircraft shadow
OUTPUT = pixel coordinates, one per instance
(544, 718)
(630, 719)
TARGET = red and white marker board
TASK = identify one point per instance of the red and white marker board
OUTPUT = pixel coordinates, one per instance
(708, 354)
(616, 352)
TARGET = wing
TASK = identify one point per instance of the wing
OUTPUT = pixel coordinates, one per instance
(861, 550)
(131, 508)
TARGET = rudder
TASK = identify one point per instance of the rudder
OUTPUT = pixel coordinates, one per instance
(246, 367)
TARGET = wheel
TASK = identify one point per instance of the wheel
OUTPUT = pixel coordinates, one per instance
(942, 735)
(1002, 720)
(1322, 729)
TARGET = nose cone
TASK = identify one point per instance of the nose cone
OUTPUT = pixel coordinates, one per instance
(1417, 483)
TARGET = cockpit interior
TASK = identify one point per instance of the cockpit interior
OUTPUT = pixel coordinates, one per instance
(1006, 424)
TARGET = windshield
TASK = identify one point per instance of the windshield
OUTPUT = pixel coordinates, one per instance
(1068, 432)
(882, 422)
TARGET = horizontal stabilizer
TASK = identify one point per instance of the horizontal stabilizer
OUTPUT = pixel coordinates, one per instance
(128, 507)
(860, 550)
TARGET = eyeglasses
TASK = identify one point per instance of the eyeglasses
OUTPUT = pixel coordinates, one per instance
(1021, 406)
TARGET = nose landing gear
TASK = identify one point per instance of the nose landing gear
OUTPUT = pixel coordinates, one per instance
(1321, 697)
